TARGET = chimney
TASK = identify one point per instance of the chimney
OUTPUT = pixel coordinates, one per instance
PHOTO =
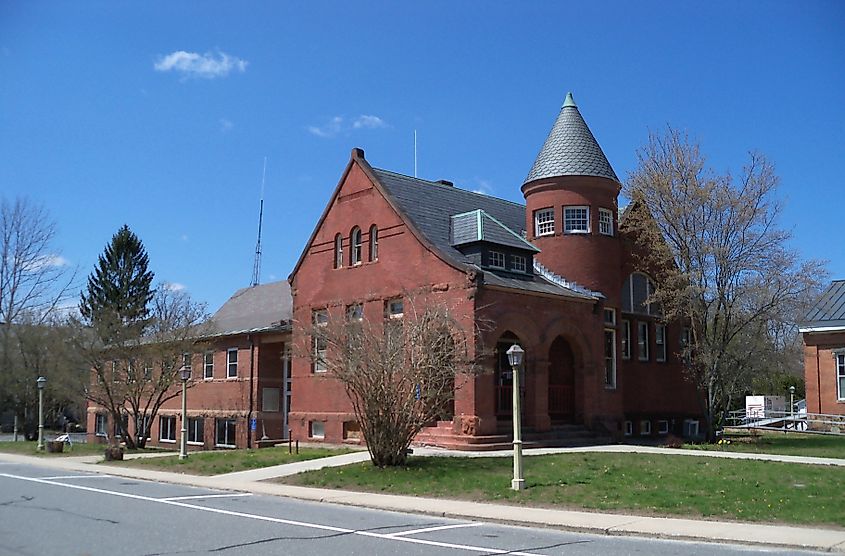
(358, 153)
(445, 182)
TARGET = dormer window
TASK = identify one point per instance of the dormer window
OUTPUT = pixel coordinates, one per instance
(518, 263)
(544, 222)
(576, 220)
(355, 250)
(497, 259)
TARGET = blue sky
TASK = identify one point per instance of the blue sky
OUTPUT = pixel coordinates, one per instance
(159, 114)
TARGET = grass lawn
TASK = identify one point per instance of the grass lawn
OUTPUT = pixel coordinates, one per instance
(228, 461)
(792, 444)
(28, 448)
(636, 483)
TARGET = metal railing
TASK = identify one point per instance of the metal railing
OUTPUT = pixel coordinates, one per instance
(767, 419)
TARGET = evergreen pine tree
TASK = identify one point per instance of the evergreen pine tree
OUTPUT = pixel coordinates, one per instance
(119, 290)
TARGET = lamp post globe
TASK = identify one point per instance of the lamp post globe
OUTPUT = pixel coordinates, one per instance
(40, 383)
(515, 358)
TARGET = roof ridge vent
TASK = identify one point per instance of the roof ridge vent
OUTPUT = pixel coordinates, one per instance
(561, 281)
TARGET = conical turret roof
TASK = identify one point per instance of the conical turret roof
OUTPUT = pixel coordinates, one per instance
(570, 149)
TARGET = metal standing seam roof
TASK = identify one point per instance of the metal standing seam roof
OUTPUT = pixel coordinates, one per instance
(430, 206)
(477, 225)
(255, 309)
(570, 149)
(829, 310)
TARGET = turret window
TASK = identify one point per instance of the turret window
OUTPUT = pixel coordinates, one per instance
(605, 222)
(544, 222)
(576, 220)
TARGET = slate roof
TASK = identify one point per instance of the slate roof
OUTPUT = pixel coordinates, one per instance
(430, 205)
(477, 225)
(570, 149)
(262, 308)
(829, 310)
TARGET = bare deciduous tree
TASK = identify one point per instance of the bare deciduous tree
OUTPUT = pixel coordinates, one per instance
(399, 373)
(133, 379)
(721, 262)
(34, 280)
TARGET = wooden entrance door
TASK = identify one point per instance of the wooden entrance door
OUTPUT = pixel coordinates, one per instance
(561, 381)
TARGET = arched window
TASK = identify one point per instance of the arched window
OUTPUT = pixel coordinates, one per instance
(355, 246)
(338, 251)
(373, 243)
(635, 293)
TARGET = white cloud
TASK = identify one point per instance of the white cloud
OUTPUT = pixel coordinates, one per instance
(208, 66)
(173, 286)
(369, 122)
(47, 261)
(482, 186)
(184, 237)
(225, 125)
(338, 125)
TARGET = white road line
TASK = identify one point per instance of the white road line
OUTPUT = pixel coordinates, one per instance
(318, 526)
(429, 529)
(75, 477)
(172, 498)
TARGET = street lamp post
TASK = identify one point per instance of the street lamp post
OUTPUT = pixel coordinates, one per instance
(792, 405)
(185, 375)
(515, 355)
(40, 383)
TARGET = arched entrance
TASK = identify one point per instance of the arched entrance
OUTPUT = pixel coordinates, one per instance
(561, 381)
(504, 375)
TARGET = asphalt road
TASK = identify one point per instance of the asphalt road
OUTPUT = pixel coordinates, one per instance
(43, 512)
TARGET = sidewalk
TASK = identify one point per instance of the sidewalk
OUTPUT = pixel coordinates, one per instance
(830, 540)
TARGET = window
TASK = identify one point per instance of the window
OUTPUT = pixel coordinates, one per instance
(610, 358)
(518, 263)
(316, 429)
(338, 251)
(373, 243)
(497, 259)
(100, 420)
(642, 340)
(663, 427)
(232, 363)
(115, 377)
(395, 308)
(143, 427)
(270, 399)
(576, 220)
(148, 371)
(355, 313)
(645, 428)
(629, 428)
(321, 319)
(225, 436)
(635, 291)
(605, 222)
(167, 428)
(208, 365)
(351, 430)
(626, 339)
(544, 222)
(355, 251)
(840, 376)
(610, 316)
(660, 342)
(186, 361)
(195, 430)
(686, 343)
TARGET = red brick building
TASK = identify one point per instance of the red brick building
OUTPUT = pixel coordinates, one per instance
(553, 275)
(823, 332)
(240, 383)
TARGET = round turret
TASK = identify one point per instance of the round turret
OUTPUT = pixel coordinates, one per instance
(571, 206)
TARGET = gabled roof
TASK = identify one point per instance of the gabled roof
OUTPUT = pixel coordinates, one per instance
(570, 149)
(264, 308)
(828, 313)
(477, 225)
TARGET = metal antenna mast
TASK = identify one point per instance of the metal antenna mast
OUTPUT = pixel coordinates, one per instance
(256, 266)
(415, 153)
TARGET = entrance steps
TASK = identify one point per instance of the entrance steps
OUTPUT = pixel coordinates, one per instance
(565, 435)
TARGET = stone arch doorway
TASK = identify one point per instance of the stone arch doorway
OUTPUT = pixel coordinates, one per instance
(561, 381)
(504, 375)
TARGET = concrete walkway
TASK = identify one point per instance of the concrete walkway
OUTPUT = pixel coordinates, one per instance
(812, 538)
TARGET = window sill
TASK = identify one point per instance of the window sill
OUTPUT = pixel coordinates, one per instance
(225, 446)
(577, 233)
(167, 441)
(609, 387)
(192, 443)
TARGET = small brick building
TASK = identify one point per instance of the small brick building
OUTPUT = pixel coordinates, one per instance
(240, 377)
(554, 275)
(823, 331)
